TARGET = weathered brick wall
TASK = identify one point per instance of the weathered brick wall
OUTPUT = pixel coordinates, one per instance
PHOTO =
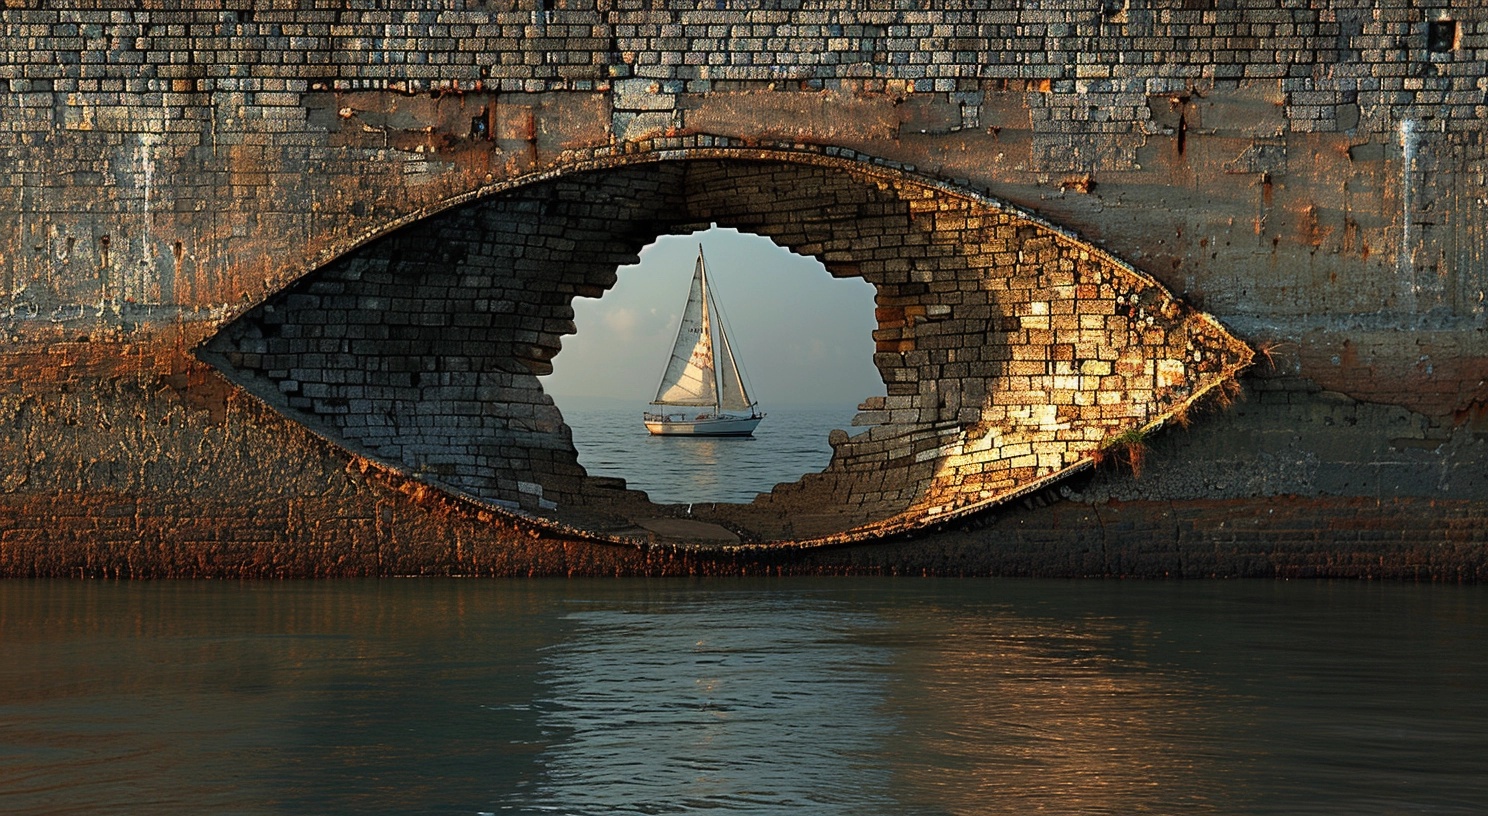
(1271, 130)
(1311, 175)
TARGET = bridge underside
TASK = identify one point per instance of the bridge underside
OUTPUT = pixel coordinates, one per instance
(1012, 354)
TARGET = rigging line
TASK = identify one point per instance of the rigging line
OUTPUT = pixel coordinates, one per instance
(723, 326)
(661, 381)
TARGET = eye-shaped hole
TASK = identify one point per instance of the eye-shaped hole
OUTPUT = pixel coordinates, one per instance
(802, 340)
(1011, 354)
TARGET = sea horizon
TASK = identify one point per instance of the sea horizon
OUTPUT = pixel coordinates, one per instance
(791, 442)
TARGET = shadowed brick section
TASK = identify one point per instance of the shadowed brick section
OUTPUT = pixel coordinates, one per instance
(1012, 354)
(421, 350)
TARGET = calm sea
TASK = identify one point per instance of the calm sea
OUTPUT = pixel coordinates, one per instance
(676, 470)
(799, 696)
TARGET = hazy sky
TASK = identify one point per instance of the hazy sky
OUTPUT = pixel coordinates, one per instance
(801, 336)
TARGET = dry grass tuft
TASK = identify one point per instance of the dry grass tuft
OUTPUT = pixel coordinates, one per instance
(1267, 349)
(1129, 448)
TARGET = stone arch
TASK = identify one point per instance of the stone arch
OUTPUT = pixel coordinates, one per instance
(1012, 352)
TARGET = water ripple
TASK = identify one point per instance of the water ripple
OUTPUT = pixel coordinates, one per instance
(836, 697)
(715, 707)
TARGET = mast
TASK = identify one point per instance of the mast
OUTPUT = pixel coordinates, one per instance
(708, 330)
(728, 381)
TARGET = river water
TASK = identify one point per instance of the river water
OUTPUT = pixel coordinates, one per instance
(796, 696)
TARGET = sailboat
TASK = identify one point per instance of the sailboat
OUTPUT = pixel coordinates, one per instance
(698, 378)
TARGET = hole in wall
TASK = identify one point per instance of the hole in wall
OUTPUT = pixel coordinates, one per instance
(803, 338)
(1441, 36)
(1008, 351)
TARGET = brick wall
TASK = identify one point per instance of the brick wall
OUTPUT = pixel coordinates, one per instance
(1311, 176)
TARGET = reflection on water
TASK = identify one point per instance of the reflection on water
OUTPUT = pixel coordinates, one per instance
(1034, 710)
(764, 697)
(733, 701)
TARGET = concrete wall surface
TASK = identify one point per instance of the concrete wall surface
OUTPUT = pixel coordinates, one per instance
(1164, 288)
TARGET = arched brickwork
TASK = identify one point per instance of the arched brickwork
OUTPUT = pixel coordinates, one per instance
(1012, 353)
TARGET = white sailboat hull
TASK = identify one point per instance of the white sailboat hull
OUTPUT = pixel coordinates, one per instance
(707, 425)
